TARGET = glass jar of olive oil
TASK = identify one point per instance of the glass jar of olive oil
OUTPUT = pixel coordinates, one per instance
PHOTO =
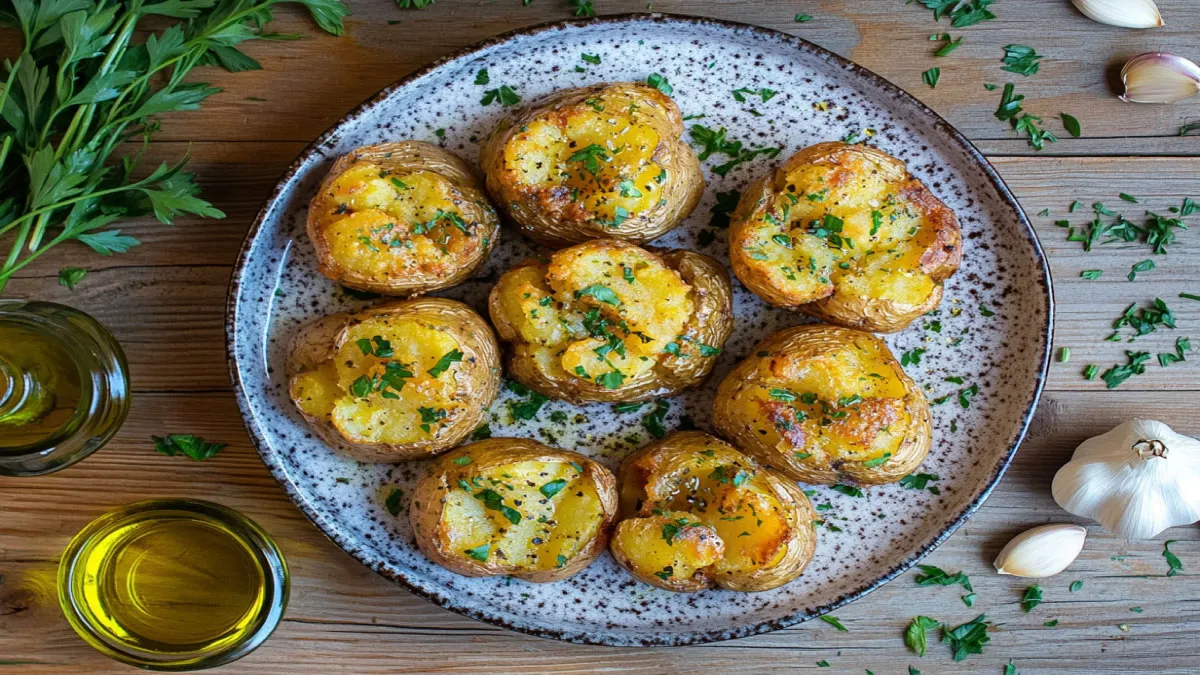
(173, 585)
(64, 387)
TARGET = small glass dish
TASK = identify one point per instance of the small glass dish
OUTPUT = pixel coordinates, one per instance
(173, 585)
(64, 387)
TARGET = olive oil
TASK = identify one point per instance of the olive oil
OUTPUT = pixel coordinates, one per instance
(173, 584)
(64, 390)
(39, 389)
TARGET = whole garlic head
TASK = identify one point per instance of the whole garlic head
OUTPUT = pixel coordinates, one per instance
(1136, 480)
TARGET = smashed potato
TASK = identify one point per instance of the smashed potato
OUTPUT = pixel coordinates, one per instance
(846, 234)
(609, 321)
(594, 162)
(400, 380)
(512, 506)
(401, 219)
(698, 513)
(825, 404)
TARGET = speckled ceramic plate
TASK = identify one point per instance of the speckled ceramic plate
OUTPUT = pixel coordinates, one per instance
(993, 329)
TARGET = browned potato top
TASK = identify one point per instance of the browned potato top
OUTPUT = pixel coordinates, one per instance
(824, 404)
(601, 161)
(608, 320)
(401, 218)
(699, 513)
(845, 233)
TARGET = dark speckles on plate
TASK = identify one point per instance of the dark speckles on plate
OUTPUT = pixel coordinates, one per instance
(1005, 354)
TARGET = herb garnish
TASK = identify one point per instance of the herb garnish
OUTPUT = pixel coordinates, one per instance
(803, 18)
(950, 43)
(69, 276)
(553, 487)
(931, 76)
(1143, 266)
(492, 500)
(504, 94)
(936, 576)
(479, 553)
(1032, 598)
(848, 490)
(193, 447)
(915, 636)
(1071, 125)
(1182, 345)
(833, 621)
(527, 409)
(582, 7)
(715, 142)
(919, 481)
(962, 13)
(1021, 60)
(393, 503)
(1173, 563)
(481, 77)
(1136, 365)
(764, 93)
(443, 364)
(969, 638)
(660, 83)
(654, 420)
(601, 293)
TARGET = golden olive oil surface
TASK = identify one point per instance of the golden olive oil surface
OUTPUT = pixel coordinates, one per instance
(172, 585)
(39, 388)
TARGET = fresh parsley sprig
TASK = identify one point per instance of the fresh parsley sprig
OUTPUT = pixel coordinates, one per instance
(81, 86)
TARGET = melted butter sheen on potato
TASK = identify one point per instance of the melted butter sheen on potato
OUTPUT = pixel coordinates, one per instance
(389, 225)
(845, 233)
(704, 514)
(392, 380)
(825, 404)
(601, 311)
(596, 160)
(526, 516)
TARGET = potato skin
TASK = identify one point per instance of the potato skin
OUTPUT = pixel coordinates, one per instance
(429, 495)
(465, 191)
(546, 211)
(318, 343)
(791, 351)
(936, 251)
(710, 324)
(651, 481)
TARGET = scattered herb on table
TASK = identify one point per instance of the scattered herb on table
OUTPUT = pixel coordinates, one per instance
(968, 638)
(931, 76)
(1064, 355)
(1135, 365)
(1173, 563)
(1091, 275)
(81, 87)
(969, 599)
(962, 13)
(1021, 60)
(803, 18)
(1010, 669)
(1075, 586)
(936, 576)
(1142, 266)
(1071, 124)
(1182, 346)
(414, 4)
(188, 445)
(69, 276)
(833, 621)
(1188, 128)
(1010, 111)
(1127, 197)
(949, 43)
(1032, 598)
(582, 7)
(916, 635)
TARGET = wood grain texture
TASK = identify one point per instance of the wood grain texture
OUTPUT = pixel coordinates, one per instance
(165, 302)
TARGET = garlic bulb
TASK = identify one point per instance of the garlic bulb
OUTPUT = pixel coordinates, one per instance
(1158, 77)
(1137, 480)
(1123, 13)
(1042, 551)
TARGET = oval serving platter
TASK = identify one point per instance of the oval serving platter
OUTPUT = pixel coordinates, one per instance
(993, 329)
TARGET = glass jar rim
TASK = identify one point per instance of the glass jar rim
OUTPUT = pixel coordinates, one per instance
(267, 555)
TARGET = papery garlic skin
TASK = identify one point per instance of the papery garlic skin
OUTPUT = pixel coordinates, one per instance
(1123, 13)
(1042, 551)
(1136, 480)
(1158, 77)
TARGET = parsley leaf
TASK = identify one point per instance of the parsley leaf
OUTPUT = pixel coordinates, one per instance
(443, 364)
(915, 636)
(190, 446)
(1021, 60)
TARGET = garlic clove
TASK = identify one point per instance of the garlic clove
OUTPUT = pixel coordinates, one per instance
(1158, 77)
(1042, 551)
(1137, 480)
(1123, 13)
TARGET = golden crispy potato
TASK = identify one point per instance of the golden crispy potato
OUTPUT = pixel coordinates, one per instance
(698, 513)
(594, 162)
(825, 404)
(401, 219)
(400, 380)
(514, 506)
(846, 234)
(608, 321)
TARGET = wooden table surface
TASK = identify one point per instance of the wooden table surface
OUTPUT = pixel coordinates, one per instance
(165, 300)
